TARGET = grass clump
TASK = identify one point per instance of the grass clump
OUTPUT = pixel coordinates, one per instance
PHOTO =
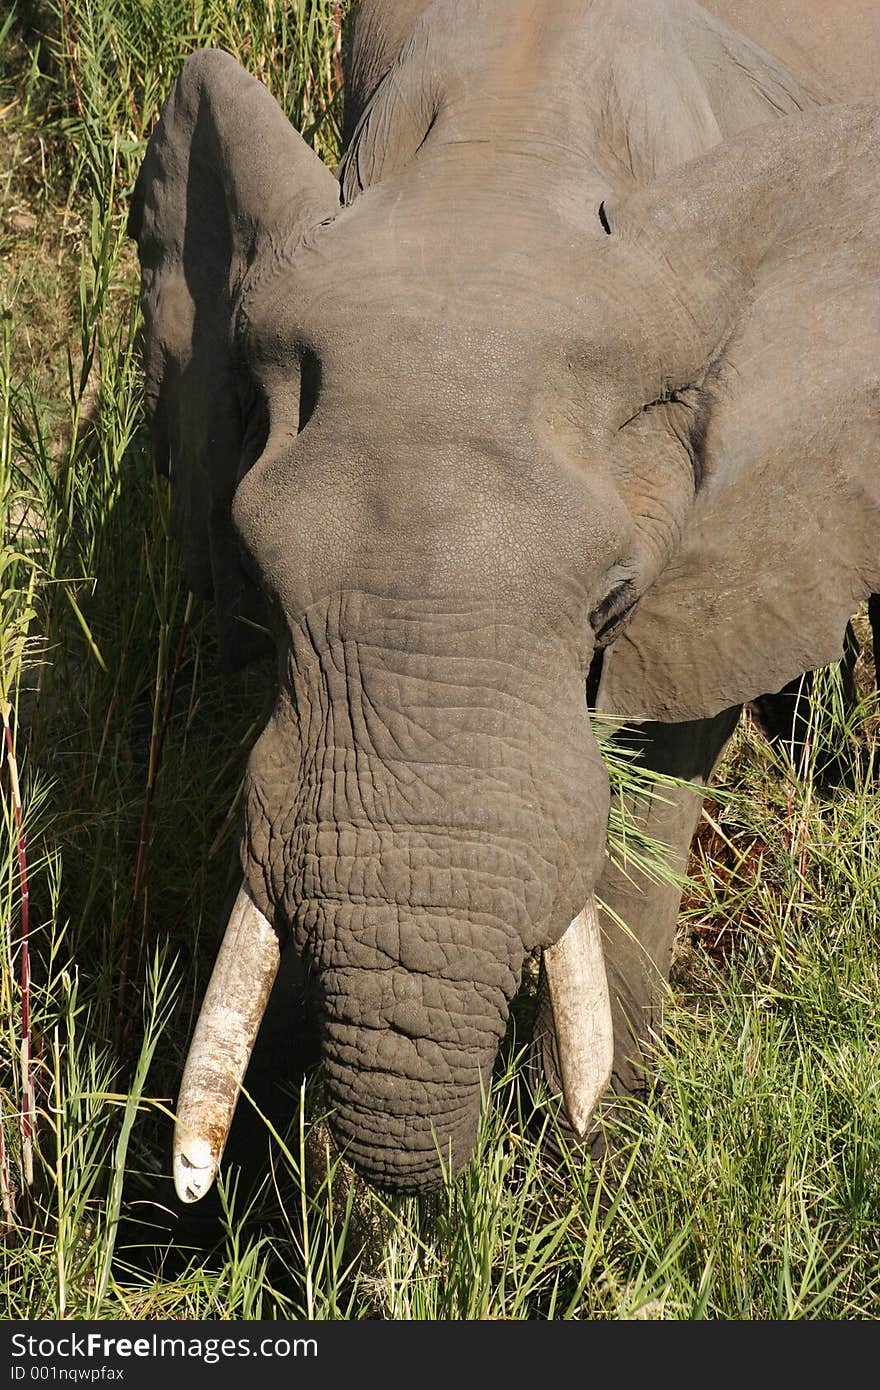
(745, 1186)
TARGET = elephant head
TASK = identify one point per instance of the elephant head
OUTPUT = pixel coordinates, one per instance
(452, 430)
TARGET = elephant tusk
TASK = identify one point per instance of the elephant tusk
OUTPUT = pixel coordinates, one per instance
(232, 1011)
(578, 989)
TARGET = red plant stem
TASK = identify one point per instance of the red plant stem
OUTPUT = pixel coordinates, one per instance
(157, 741)
(27, 1091)
(5, 1184)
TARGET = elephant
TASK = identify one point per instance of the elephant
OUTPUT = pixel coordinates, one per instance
(560, 393)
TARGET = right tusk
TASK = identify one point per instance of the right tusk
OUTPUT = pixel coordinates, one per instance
(232, 1012)
(578, 988)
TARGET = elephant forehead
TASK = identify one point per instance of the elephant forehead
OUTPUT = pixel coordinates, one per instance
(483, 332)
(430, 253)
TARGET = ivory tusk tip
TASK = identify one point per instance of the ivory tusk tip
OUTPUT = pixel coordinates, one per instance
(581, 1112)
(580, 1122)
(195, 1168)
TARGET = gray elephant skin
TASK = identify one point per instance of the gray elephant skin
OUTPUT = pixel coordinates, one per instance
(565, 388)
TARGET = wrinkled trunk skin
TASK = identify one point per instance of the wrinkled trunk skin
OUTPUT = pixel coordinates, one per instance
(426, 806)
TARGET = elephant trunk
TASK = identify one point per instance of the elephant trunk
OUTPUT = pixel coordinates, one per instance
(412, 1019)
(413, 941)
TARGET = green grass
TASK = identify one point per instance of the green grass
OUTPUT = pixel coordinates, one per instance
(745, 1186)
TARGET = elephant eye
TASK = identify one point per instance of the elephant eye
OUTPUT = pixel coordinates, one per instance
(608, 614)
(603, 217)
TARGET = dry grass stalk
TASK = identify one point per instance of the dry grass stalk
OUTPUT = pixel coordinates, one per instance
(28, 1100)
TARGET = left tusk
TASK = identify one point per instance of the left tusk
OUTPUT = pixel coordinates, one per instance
(578, 988)
(232, 1012)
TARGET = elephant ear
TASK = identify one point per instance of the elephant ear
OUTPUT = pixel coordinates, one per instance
(774, 240)
(226, 190)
